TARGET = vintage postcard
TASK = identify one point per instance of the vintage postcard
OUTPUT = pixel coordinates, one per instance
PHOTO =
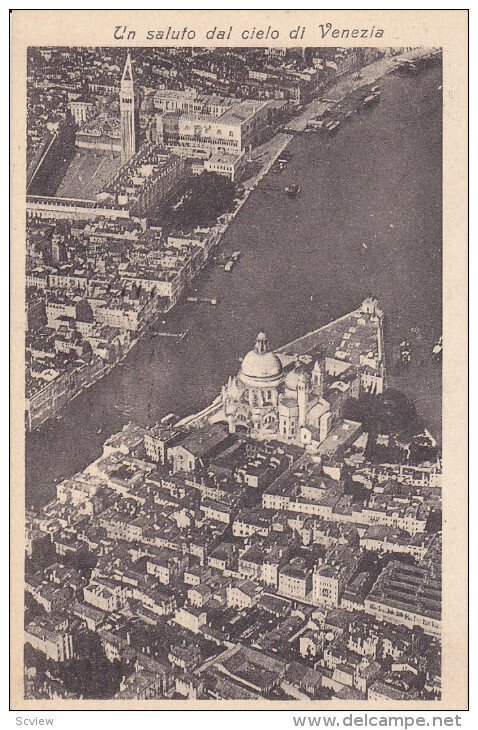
(239, 346)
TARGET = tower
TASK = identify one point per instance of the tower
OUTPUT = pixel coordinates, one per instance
(318, 374)
(58, 248)
(302, 398)
(128, 113)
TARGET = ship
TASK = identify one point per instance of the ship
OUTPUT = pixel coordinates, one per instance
(293, 190)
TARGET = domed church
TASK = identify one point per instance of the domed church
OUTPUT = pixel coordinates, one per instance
(268, 400)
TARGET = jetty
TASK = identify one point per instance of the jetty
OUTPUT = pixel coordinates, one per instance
(175, 335)
(204, 300)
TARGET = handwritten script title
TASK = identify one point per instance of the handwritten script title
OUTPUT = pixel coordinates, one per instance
(216, 33)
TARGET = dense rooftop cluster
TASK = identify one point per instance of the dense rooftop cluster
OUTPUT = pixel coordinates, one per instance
(271, 546)
(59, 76)
(256, 570)
(92, 289)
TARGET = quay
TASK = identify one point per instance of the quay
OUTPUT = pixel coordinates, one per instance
(350, 84)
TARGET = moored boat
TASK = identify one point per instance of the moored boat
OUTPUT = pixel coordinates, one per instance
(405, 352)
(333, 126)
(372, 98)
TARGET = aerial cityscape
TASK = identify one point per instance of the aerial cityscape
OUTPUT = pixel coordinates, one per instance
(233, 374)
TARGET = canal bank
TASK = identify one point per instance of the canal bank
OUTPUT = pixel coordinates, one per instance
(368, 218)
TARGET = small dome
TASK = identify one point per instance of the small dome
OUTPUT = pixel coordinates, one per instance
(292, 378)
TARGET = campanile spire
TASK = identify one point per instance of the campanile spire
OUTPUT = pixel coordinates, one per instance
(127, 112)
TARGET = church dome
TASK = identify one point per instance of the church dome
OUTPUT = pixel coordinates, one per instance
(260, 366)
(292, 379)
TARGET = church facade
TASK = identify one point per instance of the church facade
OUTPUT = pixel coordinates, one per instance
(296, 395)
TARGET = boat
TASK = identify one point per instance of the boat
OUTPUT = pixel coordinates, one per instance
(407, 66)
(314, 125)
(437, 349)
(292, 190)
(405, 352)
(231, 260)
(284, 158)
(333, 126)
(204, 300)
(372, 98)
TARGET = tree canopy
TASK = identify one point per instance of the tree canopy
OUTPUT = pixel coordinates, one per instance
(388, 413)
(207, 197)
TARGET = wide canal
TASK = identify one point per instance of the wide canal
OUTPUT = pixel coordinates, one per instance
(368, 219)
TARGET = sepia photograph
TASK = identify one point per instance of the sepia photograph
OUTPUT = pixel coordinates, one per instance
(233, 346)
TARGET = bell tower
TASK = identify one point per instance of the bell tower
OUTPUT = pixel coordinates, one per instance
(128, 113)
(318, 374)
(302, 398)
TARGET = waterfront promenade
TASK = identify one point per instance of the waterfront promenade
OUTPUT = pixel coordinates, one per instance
(351, 82)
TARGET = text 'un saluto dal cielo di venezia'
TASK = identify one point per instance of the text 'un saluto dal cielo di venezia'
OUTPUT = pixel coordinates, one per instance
(253, 33)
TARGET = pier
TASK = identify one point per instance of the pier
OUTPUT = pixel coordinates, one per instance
(203, 300)
(175, 335)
